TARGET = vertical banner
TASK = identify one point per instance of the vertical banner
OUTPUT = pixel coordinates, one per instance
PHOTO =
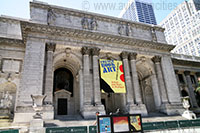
(112, 76)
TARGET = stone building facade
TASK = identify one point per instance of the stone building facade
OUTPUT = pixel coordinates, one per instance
(56, 54)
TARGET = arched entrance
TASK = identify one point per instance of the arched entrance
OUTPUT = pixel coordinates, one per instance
(145, 71)
(63, 91)
(67, 86)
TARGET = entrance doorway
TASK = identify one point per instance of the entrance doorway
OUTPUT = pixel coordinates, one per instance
(63, 92)
(62, 106)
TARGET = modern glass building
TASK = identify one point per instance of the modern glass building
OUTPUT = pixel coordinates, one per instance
(182, 28)
(140, 11)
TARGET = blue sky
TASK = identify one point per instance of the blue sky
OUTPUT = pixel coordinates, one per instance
(20, 8)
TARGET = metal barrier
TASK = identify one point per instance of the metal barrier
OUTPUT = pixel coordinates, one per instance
(67, 130)
(147, 126)
(10, 131)
(170, 124)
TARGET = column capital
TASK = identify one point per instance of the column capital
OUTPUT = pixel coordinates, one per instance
(124, 55)
(85, 50)
(95, 51)
(187, 73)
(132, 56)
(156, 59)
(50, 46)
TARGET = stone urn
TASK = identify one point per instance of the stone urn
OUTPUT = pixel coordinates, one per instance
(38, 105)
(187, 113)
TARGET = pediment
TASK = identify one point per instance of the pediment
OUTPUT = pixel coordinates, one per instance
(63, 91)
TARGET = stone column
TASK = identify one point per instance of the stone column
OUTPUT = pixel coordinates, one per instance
(156, 92)
(135, 80)
(161, 84)
(32, 73)
(170, 80)
(48, 88)
(139, 106)
(174, 106)
(88, 110)
(81, 87)
(96, 80)
(177, 78)
(129, 97)
(190, 90)
(86, 74)
(31, 82)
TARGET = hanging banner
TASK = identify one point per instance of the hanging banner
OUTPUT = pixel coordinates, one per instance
(112, 76)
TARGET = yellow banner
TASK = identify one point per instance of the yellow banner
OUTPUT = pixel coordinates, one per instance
(112, 76)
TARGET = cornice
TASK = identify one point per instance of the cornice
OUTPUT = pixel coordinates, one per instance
(92, 35)
(11, 41)
(89, 15)
(185, 63)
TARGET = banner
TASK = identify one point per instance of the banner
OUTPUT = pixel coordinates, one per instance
(112, 76)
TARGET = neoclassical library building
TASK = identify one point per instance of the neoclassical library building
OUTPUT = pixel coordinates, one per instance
(85, 62)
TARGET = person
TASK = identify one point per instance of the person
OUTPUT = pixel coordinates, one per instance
(97, 114)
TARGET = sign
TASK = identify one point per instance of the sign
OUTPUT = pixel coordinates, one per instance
(129, 123)
(120, 124)
(112, 76)
(135, 123)
(105, 125)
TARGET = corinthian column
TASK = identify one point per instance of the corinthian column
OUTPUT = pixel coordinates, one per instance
(135, 80)
(129, 99)
(96, 81)
(161, 84)
(48, 90)
(86, 76)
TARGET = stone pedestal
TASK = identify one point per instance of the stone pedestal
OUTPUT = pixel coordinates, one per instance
(4, 113)
(25, 114)
(189, 115)
(89, 111)
(172, 109)
(36, 123)
(36, 126)
(137, 109)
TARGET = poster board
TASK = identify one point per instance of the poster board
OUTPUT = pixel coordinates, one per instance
(130, 123)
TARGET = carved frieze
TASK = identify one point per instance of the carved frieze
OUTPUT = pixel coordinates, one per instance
(85, 23)
(80, 34)
(89, 24)
(128, 29)
(120, 29)
(93, 24)
(51, 17)
(124, 29)
(153, 34)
